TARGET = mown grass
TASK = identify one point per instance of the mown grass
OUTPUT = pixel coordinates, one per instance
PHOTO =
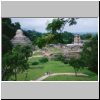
(70, 78)
(36, 71)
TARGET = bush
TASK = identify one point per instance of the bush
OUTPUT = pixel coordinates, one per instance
(44, 60)
(35, 63)
(57, 57)
(76, 64)
(65, 61)
(60, 57)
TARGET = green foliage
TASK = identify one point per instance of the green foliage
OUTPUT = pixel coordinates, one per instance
(43, 60)
(57, 26)
(76, 64)
(66, 61)
(9, 28)
(6, 44)
(90, 54)
(6, 68)
(35, 63)
(32, 35)
(41, 42)
(59, 23)
(15, 61)
(49, 38)
(58, 38)
(17, 25)
(58, 57)
(8, 31)
(67, 37)
(27, 50)
(86, 36)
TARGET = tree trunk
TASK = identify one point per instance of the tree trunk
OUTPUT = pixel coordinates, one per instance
(75, 73)
(15, 74)
(26, 75)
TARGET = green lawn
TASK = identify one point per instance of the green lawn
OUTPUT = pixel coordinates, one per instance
(70, 78)
(36, 71)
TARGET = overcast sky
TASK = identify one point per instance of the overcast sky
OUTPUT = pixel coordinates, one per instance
(39, 24)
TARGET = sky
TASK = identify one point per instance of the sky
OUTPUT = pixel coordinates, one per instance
(83, 25)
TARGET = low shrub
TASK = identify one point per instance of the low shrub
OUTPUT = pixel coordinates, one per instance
(35, 63)
(65, 61)
(58, 57)
(43, 60)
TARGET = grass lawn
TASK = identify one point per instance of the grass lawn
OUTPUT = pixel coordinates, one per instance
(70, 78)
(36, 71)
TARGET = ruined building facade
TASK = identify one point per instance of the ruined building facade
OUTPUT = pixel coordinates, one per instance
(74, 49)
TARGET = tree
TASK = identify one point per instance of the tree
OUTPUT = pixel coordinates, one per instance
(6, 44)
(8, 31)
(57, 26)
(90, 54)
(17, 25)
(76, 64)
(8, 27)
(41, 42)
(49, 38)
(86, 36)
(15, 61)
(32, 35)
(59, 23)
(67, 37)
(6, 66)
(18, 61)
(27, 50)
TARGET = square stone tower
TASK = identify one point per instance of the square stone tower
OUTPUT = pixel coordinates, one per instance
(77, 39)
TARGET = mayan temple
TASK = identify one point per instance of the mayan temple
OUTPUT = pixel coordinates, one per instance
(20, 39)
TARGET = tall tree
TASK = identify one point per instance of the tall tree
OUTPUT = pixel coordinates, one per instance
(57, 26)
(17, 25)
(8, 31)
(6, 44)
(76, 64)
(59, 23)
(8, 28)
(90, 54)
(15, 61)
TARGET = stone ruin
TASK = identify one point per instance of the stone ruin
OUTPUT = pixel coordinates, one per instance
(71, 50)
(20, 39)
(74, 49)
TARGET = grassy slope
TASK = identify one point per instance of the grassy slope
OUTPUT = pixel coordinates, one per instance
(36, 71)
(70, 78)
(92, 77)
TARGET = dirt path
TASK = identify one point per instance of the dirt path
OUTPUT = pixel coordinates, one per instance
(55, 74)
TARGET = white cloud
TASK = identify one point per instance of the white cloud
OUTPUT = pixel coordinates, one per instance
(39, 24)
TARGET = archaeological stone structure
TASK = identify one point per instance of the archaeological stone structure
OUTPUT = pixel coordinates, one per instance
(77, 39)
(74, 49)
(20, 39)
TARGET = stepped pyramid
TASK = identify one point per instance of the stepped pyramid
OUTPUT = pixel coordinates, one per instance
(20, 39)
